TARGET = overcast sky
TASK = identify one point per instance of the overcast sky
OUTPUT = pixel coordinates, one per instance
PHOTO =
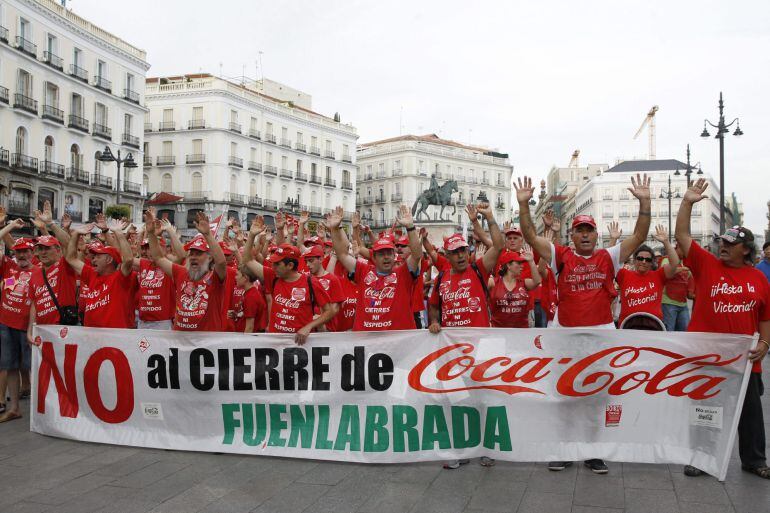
(536, 80)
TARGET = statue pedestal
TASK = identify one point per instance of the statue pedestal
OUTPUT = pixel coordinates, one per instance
(437, 230)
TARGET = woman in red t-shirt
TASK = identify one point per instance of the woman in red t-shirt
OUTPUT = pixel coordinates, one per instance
(509, 297)
(641, 289)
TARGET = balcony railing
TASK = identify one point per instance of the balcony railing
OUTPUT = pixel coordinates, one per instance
(235, 127)
(329, 154)
(255, 201)
(301, 177)
(165, 160)
(255, 166)
(379, 199)
(286, 173)
(132, 187)
(368, 176)
(3, 34)
(79, 73)
(396, 196)
(235, 161)
(102, 83)
(77, 123)
(398, 172)
(299, 146)
(24, 103)
(4, 157)
(315, 179)
(347, 185)
(270, 138)
(195, 124)
(78, 175)
(166, 126)
(102, 181)
(253, 132)
(53, 60)
(233, 197)
(314, 150)
(368, 200)
(25, 162)
(4, 95)
(380, 175)
(194, 195)
(196, 158)
(271, 170)
(271, 204)
(329, 182)
(131, 96)
(102, 131)
(19, 207)
(52, 113)
(51, 168)
(347, 158)
(147, 161)
(26, 46)
(147, 127)
(286, 143)
(131, 140)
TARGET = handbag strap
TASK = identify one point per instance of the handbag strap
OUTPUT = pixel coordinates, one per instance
(50, 292)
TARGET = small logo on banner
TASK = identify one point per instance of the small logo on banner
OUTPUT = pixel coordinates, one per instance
(38, 340)
(152, 411)
(63, 332)
(708, 416)
(144, 345)
(612, 415)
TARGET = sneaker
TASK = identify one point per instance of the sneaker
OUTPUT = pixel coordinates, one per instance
(487, 462)
(691, 471)
(453, 464)
(597, 466)
(556, 466)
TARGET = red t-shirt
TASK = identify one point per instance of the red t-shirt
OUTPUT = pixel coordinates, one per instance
(585, 286)
(63, 281)
(344, 319)
(249, 305)
(233, 294)
(14, 309)
(333, 287)
(463, 301)
(291, 308)
(727, 299)
(155, 297)
(384, 302)
(198, 303)
(640, 292)
(418, 296)
(110, 299)
(678, 287)
(509, 308)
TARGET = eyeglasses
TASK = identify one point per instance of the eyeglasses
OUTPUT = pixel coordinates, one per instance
(644, 259)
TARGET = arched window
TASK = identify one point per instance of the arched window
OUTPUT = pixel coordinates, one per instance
(21, 140)
(233, 183)
(167, 185)
(197, 182)
(75, 161)
(49, 149)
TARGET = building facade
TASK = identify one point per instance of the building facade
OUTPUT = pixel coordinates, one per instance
(397, 170)
(67, 89)
(225, 147)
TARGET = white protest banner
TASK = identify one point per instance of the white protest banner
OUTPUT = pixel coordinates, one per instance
(398, 396)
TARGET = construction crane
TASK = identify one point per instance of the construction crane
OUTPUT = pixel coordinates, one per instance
(649, 121)
(574, 160)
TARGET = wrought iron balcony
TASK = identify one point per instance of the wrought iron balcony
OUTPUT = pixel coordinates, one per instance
(286, 173)
(26, 46)
(329, 154)
(255, 166)
(131, 140)
(102, 181)
(3, 34)
(79, 73)
(233, 197)
(131, 96)
(103, 84)
(53, 60)
(147, 161)
(166, 126)
(5, 157)
(196, 158)
(329, 182)
(270, 138)
(78, 175)
(195, 124)
(396, 196)
(347, 185)
(52, 113)
(102, 131)
(379, 199)
(314, 150)
(235, 161)
(300, 147)
(368, 176)
(271, 170)
(271, 204)
(347, 158)
(165, 160)
(315, 179)
(52, 169)
(132, 187)
(301, 177)
(24, 103)
(253, 132)
(255, 201)
(77, 123)
(4, 95)
(235, 127)
(286, 143)
(368, 200)
(147, 127)
(24, 162)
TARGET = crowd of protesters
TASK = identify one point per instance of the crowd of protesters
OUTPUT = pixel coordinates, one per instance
(285, 278)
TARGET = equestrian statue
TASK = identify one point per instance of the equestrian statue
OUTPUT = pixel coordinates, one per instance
(435, 195)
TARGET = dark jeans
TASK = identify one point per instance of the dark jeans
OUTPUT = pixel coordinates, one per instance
(751, 427)
(541, 319)
(417, 320)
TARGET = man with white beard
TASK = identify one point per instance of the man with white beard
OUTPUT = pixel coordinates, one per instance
(200, 283)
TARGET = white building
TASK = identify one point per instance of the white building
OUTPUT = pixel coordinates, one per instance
(398, 170)
(228, 147)
(67, 89)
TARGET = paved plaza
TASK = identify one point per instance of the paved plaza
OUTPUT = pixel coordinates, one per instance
(43, 474)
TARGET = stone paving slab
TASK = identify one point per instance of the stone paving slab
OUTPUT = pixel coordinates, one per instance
(40, 474)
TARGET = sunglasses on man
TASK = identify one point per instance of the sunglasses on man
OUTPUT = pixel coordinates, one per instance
(644, 259)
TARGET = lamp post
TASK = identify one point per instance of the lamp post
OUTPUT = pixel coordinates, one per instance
(722, 129)
(668, 195)
(128, 163)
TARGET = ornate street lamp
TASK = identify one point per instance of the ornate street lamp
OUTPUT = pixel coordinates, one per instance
(128, 162)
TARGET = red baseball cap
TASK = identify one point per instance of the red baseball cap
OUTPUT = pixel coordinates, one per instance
(514, 230)
(402, 241)
(107, 250)
(95, 244)
(510, 256)
(284, 251)
(227, 251)
(47, 240)
(315, 251)
(328, 243)
(383, 243)
(454, 242)
(199, 243)
(310, 241)
(23, 243)
(583, 219)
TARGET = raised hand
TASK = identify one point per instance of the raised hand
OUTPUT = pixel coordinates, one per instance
(548, 218)
(149, 221)
(640, 187)
(423, 233)
(280, 221)
(556, 226)
(37, 220)
(660, 235)
(473, 214)
(202, 223)
(66, 221)
(304, 217)
(334, 218)
(84, 229)
(117, 226)
(356, 221)
(524, 189)
(167, 227)
(18, 224)
(485, 209)
(320, 230)
(526, 252)
(404, 217)
(3, 215)
(101, 222)
(694, 193)
(614, 230)
(46, 216)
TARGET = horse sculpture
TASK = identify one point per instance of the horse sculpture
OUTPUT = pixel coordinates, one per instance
(439, 196)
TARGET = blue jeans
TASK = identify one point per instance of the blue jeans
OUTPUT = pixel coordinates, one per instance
(676, 318)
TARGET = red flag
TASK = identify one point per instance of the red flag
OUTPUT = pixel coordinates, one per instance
(214, 225)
